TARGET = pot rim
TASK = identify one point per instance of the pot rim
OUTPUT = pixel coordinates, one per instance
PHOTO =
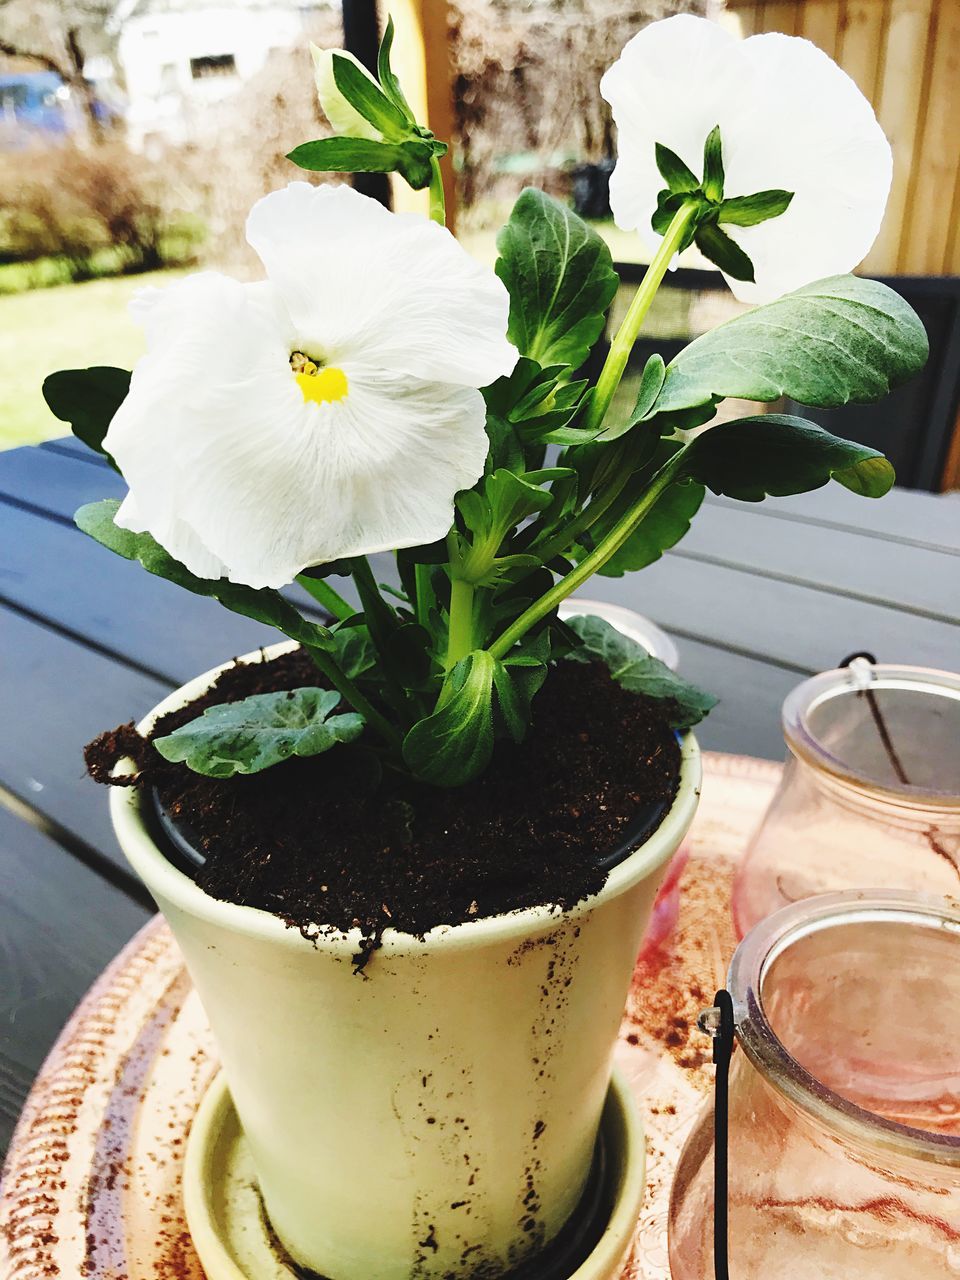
(147, 859)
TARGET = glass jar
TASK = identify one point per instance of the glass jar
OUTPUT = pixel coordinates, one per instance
(844, 1096)
(870, 793)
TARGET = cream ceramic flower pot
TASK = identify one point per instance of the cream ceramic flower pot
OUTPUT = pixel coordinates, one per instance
(438, 1116)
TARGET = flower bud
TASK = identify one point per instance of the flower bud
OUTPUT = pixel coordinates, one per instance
(346, 120)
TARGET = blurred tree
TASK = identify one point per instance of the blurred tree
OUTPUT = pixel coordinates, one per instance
(527, 75)
(55, 35)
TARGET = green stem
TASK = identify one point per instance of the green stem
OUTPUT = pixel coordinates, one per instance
(424, 592)
(438, 205)
(460, 641)
(587, 518)
(611, 544)
(626, 336)
(381, 622)
(325, 595)
(351, 694)
(378, 614)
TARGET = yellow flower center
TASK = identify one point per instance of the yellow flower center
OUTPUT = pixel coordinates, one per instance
(322, 386)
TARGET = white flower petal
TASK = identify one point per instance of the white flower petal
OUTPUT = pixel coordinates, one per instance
(829, 150)
(345, 119)
(373, 472)
(789, 118)
(190, 550)
(394, 291)
(234, 473)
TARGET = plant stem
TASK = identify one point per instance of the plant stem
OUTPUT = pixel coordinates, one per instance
(585, 520)
(325, 595)
(381, 622)
(378, 613)
(460, 641)
(438, 206)
(612, 543)
(351, 694)
(626, 336)
(424, 593)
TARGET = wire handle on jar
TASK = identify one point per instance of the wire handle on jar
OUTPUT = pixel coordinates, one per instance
(717, 1022)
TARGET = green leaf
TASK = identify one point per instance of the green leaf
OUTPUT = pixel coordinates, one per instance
(538, 404)
(516, 681)
(663, 527)
(97, 520)
(385, 74)
(826, 344)
(482, 699)
(560, 277)
(678, 176)
(364, 155)
(369, 99)
(454, 744)
(651, 382)
(88, 400)
(353, 650)
(713, 165)
(778, 454)
(723, 252)
(492, 511)
(748, 211)
(260, 731)
(632, 667)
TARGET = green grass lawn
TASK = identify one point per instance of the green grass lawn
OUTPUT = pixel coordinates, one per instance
(66, 327)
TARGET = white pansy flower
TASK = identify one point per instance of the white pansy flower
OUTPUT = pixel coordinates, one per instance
(328, 411)
(789, 119)
(345, 119)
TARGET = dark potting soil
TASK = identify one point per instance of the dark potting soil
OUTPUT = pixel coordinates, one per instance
(311, 842)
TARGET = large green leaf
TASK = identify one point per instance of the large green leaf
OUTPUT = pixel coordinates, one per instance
(631, 666)
(560, 278)
(87, 399)
(777, 454)
(663, 527)
(260, 731)
(97, 520)
(826, 344)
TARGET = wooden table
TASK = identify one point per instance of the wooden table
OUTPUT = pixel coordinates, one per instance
(758, 597)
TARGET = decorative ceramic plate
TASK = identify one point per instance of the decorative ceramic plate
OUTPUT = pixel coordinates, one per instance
(92, 1186)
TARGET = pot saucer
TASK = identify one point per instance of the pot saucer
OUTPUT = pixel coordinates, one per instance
(234, 1242)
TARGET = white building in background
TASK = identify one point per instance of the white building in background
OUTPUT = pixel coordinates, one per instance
(180, 58)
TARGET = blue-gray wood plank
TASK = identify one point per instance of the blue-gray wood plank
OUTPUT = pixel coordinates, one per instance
(757, 596)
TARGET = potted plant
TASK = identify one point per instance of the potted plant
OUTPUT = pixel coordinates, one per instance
(427, 833)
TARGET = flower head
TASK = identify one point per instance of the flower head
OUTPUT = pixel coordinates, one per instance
(328, 411)
(789, 119)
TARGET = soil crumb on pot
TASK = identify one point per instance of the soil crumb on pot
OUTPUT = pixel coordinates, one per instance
(313, 842)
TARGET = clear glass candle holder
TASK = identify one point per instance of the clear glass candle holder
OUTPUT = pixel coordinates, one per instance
(844, 1096)
(870, 793)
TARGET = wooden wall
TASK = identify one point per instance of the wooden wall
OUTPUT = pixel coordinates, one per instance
(905, 56)
(421, 58)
